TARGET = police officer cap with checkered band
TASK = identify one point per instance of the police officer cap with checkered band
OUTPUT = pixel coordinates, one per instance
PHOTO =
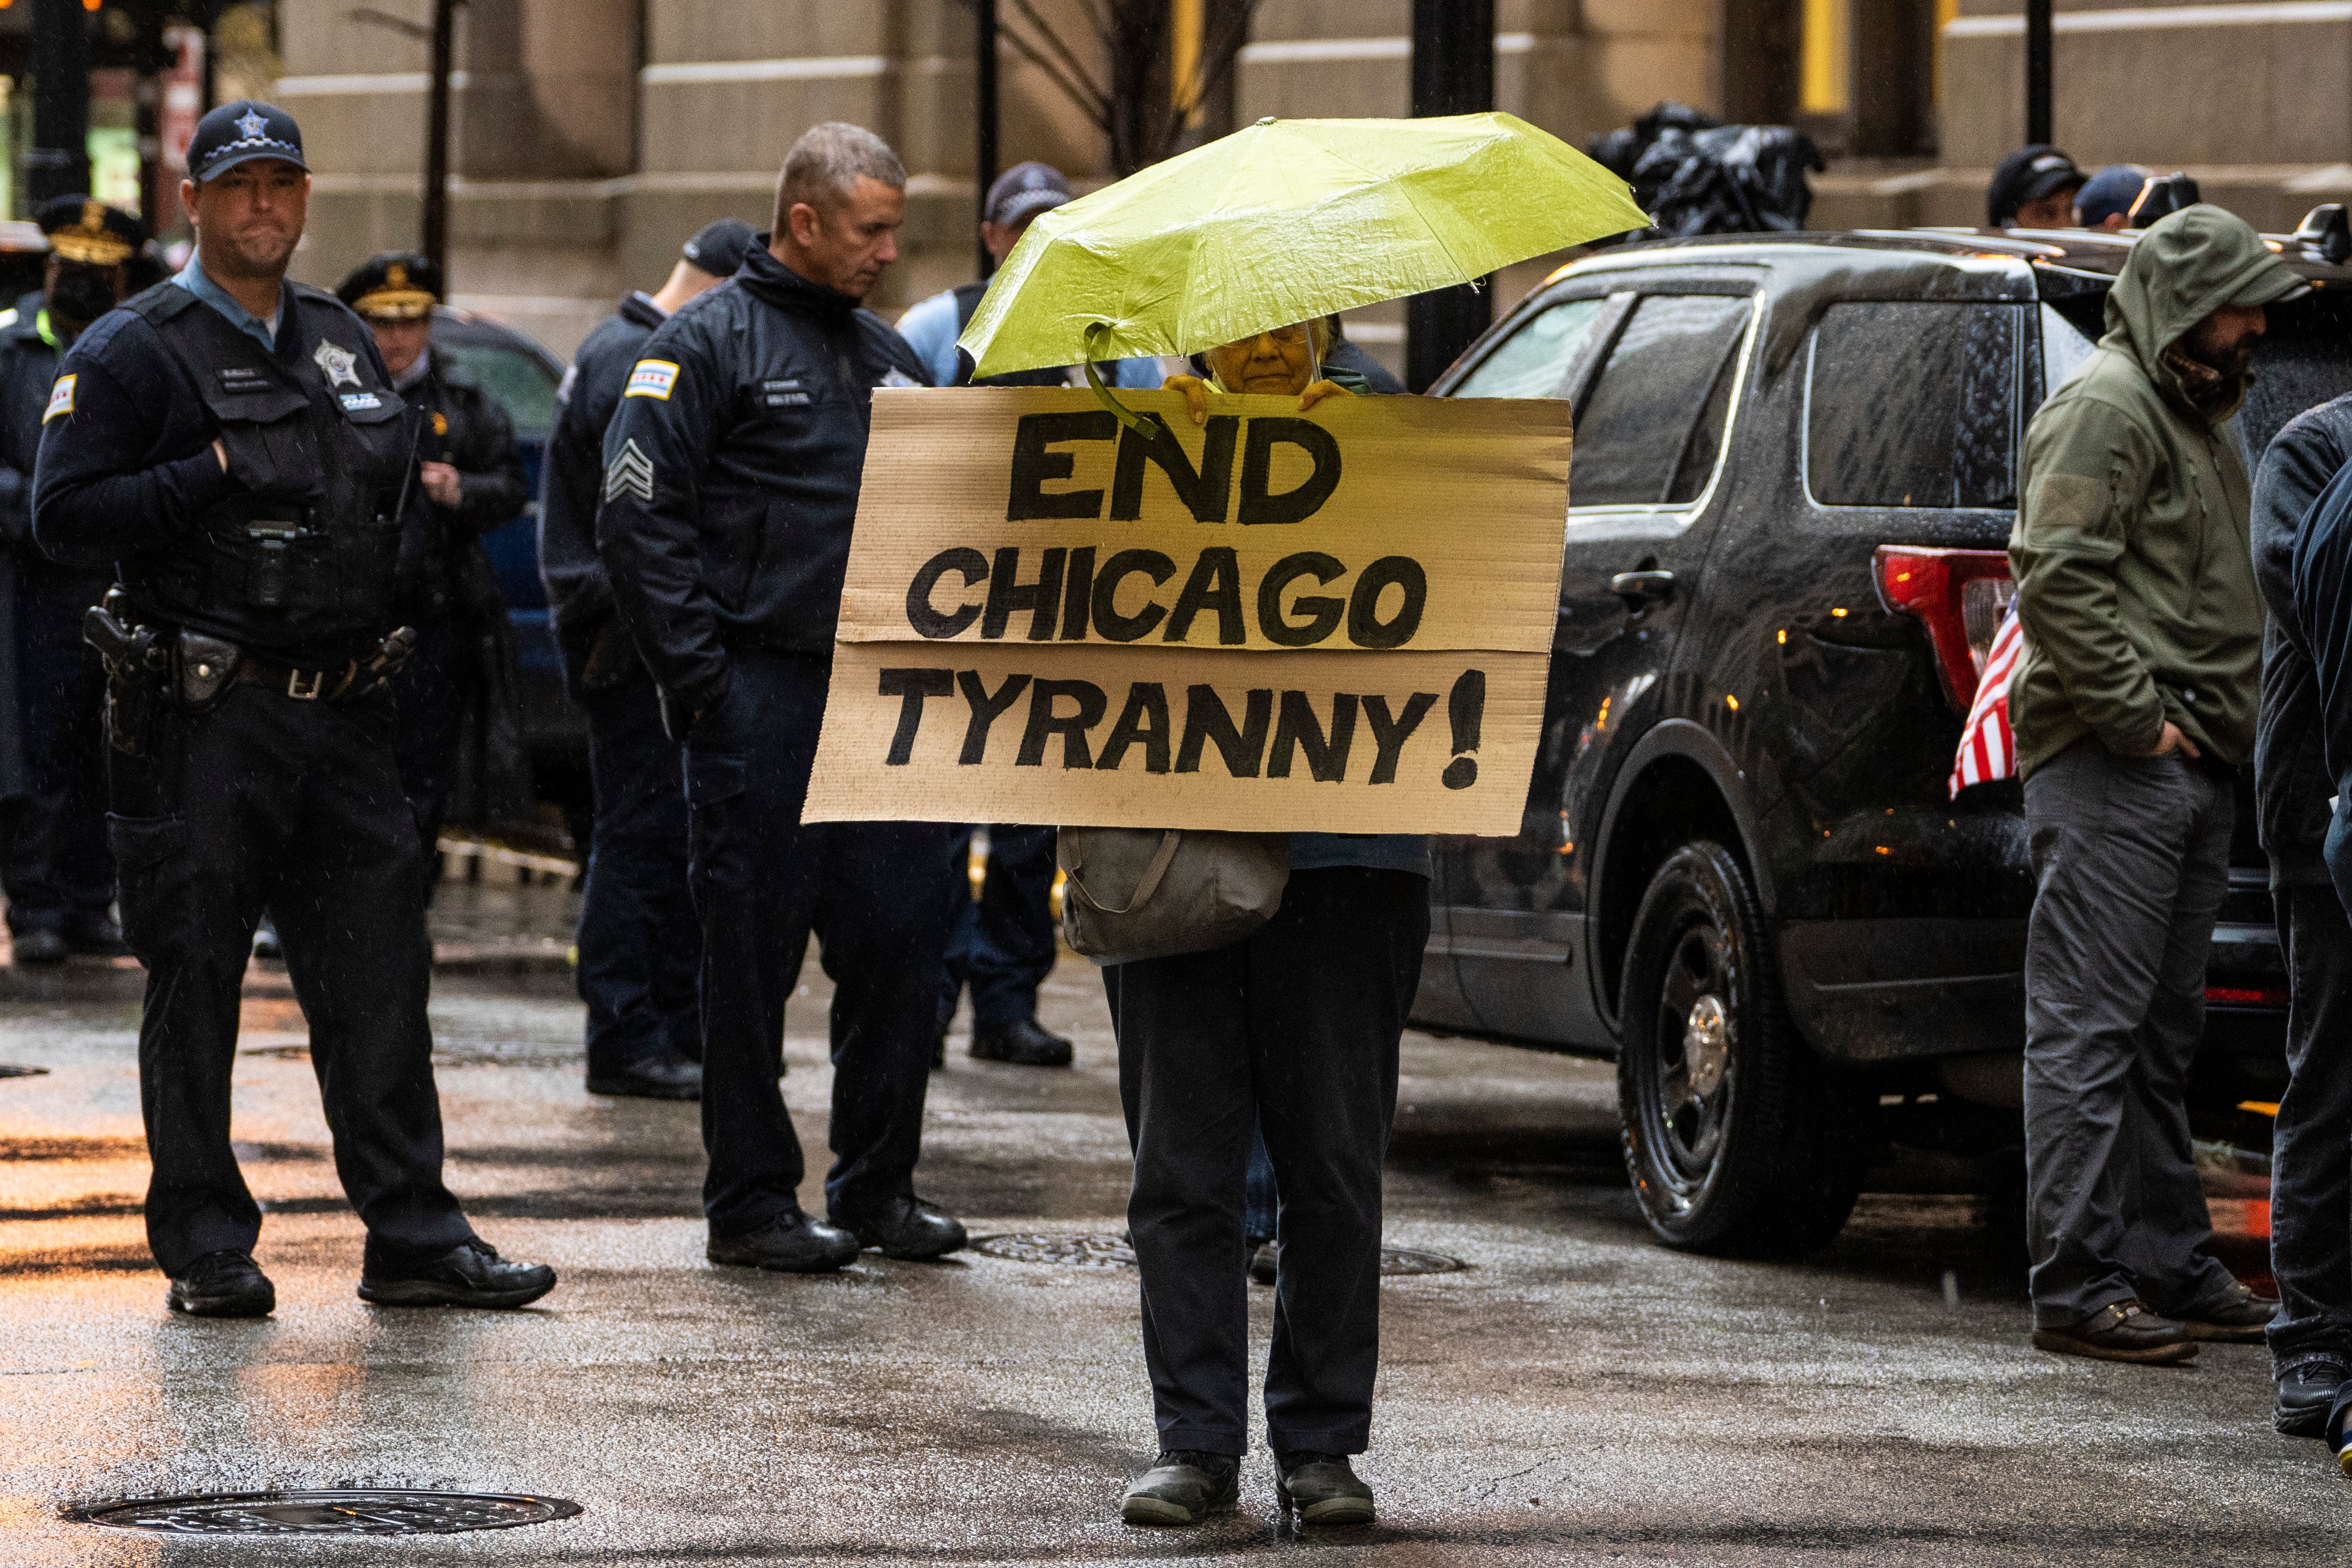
(239, 132)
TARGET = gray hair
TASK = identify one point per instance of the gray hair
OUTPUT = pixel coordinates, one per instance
(826, 164)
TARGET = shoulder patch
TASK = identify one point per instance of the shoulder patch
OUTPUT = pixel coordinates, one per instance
(652, 378)
(61, 398)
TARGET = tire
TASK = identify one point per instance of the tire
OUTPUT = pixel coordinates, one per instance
(1737, 1141)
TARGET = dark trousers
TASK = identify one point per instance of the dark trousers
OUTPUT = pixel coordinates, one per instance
(1292, 1031)
(430, 703)
(58, 868)
(1003, 945)
(296, 807)
(640, 947)
(2311, 1156)
(2131, 860)
(878, 898)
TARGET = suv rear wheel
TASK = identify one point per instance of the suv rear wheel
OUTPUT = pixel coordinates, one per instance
(1736, 1139)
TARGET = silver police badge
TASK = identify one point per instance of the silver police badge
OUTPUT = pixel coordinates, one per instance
(338, 365)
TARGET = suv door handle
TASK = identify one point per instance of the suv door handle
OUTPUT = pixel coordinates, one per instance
(1641, 589)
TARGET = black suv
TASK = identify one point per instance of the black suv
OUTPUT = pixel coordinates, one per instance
(1741, 871)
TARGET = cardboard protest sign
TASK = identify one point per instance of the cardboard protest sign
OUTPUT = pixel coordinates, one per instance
(1338, 620)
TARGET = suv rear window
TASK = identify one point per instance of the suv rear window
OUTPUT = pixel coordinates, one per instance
(1534, 361)
(1913, 404)
(516, 381)
(1653, 424)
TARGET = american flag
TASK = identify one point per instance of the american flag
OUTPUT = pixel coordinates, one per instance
(1988, 749)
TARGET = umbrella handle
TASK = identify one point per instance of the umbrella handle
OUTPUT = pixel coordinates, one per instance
(1143, 424)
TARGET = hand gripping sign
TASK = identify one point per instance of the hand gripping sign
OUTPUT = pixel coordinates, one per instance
(1335, 621)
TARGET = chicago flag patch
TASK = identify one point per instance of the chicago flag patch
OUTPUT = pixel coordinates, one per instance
(652, 378)
(61, 397)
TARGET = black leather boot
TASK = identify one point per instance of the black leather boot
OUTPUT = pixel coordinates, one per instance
(470, 1274)
(231, 1285)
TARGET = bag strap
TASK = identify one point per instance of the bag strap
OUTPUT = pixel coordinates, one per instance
(1151, 874)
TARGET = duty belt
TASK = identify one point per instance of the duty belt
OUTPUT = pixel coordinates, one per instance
(354, 677)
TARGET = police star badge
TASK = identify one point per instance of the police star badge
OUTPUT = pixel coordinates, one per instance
(250, 125)
(338, 365)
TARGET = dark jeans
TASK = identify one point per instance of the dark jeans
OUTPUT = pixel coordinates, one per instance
(1294, 1030)
(878, 896)
(2131, 859)
(59, 869)
(1003, 945)
(2311, 1157)
(295, 807)
(640, 947)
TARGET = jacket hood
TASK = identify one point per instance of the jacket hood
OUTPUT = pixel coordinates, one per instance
(771, 281)
(2184, 268)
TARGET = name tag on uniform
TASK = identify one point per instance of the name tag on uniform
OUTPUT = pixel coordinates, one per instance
(786, 393)
(652, 378)
(61, 396)
(354, 402)
(243, 378)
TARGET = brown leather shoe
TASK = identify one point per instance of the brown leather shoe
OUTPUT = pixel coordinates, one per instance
(2122, 1330)
(2239, 1319)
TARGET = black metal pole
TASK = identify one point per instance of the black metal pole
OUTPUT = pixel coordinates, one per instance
(984, 160)
(2037, 72)
(57, 164)
(1452, 73)
(436, 139)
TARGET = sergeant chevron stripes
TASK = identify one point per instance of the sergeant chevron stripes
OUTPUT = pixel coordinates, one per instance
(632, 474)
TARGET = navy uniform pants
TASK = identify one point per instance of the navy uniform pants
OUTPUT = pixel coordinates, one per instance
(878, 896)
(58, 871)
(1292, 1031)
(1003, 946)
(639, 946)
(296, 807)
(2311, 1200)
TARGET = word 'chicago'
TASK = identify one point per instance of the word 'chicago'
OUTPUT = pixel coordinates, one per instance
(1273, 732)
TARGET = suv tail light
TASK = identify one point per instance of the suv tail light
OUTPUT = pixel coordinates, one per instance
(1960, 595)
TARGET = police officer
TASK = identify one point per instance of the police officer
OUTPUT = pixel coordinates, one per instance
(57, 869)
(731, 481)
(639, 946)
(232, 443)
(460, 678)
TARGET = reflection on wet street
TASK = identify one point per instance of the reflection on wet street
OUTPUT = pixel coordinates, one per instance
(1575, 1394)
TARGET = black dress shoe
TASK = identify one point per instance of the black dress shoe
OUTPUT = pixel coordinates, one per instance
(471, 1274)
(1322, 1489)
(2304, 1394)
(903, 1227)
(663, 1077)
(794, 1243)
(1027, 1043)
(39, 949)
(1183, 1488)
(99, 939)
(230, 1285)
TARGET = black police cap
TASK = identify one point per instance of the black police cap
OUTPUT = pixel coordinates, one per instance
(398, 285)
(239, 132)
(2026, 176)
(85, 230)
(719, 248)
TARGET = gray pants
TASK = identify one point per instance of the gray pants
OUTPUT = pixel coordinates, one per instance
(2131, 859)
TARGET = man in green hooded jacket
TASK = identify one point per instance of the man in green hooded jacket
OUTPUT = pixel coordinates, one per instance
(2133, 707)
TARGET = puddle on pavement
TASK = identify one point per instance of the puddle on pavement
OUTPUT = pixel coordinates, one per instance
(1113, 1253)
(346, 1512)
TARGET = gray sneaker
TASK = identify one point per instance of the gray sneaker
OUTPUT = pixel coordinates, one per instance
(1322, 1489)
(1183, 1488)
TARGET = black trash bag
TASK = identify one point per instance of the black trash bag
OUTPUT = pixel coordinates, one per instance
(1695, 175)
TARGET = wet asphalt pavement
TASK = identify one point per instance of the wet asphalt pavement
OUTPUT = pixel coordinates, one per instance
(1576, 1394)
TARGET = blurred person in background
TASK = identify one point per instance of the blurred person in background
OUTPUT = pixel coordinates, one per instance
(2033, 188)
(58, 867)
(639, 946)
(460, 742)
(2107, 198)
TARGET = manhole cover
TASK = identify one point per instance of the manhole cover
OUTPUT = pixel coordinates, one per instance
(1405, 1260)
(1069, 1251)
(333, 1512)
(9, 1070)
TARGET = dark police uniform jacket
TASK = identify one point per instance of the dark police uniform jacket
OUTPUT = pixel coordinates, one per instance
(465, 428)
(578, 591)
(29, 366)
(732, 470)
(293, 553)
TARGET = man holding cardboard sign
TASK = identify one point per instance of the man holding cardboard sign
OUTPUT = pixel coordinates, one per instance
(1270, 613)
(731, 480)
